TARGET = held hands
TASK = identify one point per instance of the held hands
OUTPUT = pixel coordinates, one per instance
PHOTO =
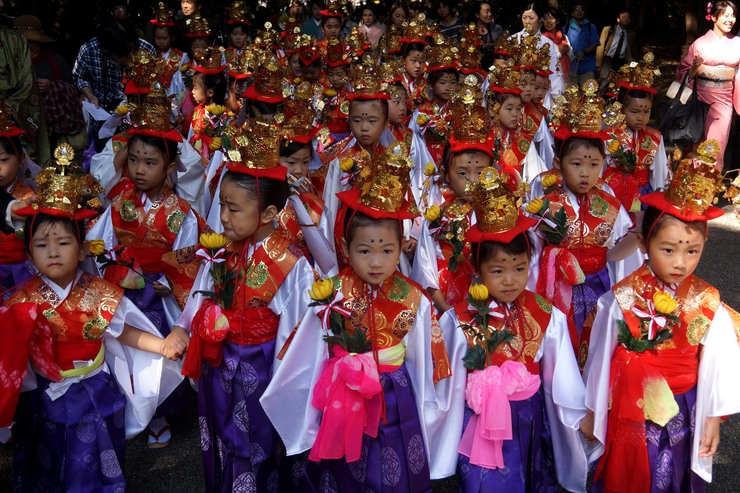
(586, 426)
(695, 66)
(710, 439)
(161, 289)
(175, 344)
(408, 245)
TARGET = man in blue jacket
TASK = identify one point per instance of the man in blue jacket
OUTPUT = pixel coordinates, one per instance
(584, 39)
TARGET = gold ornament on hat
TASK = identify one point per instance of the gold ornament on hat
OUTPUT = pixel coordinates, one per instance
(697, 180)
(469, 119)
(155, 112)
(441, 53)
(357, 41)
(336, 52)
(387, 179)
(62, 191)
(496, 200)
(417, 29)
(7, 121)
(256, 146)
(505, 45)
(238, 12)
(335, 8)
(584, 110)
(145, 69)
(271, 76)
(504, 78)
(163, 15)
(267, 38)
(242, 63)
(637, 74)
(198, 26)
(209, 57)
(306, 48)
(299, 112)
(365, 77)
(468, 52)
(390, 43)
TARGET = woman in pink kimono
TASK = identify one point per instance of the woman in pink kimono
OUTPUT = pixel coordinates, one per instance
(712, 62)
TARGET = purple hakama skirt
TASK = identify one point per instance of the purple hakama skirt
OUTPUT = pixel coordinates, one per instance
(13, 275)
(393, 462)
(75, 443)
(528, 459)
(587, 294)
(240, 446)
(669, 451)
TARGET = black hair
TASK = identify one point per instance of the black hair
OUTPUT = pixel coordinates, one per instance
(261, 107)
(316, 63)
(475, 9)
(167, 147)
(437, 74)
(118, 37)
(217, 83)
(33, 223)
(12, 145)
(450, 4)
(572, 143)
(480, 252)
(325, 19)
(537, 7)
(556, 14)
(369, 6)
(383, 104)
(407, 47)
(353, 220)
(625, 93)
(231, 27)
(719, 7)
(393, 8)
(290, 147)
(500, 97)
(268, 190)
(653, 219)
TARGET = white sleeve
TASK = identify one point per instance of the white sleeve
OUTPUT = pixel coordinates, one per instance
(103, 170)
(545, 144)
(533, 165)
(190, 185)
(622, 226)
(102, 230)
(203, 282)
(660, 174)
(424, 271)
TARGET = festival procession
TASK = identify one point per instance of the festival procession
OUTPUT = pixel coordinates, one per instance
(364, 247)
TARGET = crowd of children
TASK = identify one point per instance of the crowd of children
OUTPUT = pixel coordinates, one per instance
(376, 262)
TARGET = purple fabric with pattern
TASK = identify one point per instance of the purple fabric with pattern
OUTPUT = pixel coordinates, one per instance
(587, 294)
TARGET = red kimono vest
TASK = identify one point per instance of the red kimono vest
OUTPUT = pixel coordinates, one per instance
(534, 113)
(171, 65)
(437, 117)
(12, 250)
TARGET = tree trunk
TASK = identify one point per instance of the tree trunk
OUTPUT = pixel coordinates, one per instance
(691, 17)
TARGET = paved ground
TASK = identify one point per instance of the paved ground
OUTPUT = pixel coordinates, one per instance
(178, 467)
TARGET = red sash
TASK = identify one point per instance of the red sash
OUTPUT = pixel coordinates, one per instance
(11, 249)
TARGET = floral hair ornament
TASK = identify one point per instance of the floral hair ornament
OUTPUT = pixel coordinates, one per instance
(504, 79)
(163, 16)
(441, 54)
(384, 186)
(63, 194)
(255, 149)
(337, 53)
(416, 31)
(299, 115)
(241, 65)
(583, 113)
(469, 54)
(709, 11)
(496, 200)
(693, 189)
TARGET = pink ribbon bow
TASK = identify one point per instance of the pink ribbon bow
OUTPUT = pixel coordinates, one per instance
(488, 394)
(335, 305)
(348, 394)
(217, 257)
(652, 314)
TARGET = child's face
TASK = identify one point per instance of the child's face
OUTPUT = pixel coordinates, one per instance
(510, 112)
(332, 27)
(200, 94)
(295, 65)
(10, 165)
(337, 76)
(368, 18)
(526, 84)
(541, 85)
(311, 73)
(397, 107)
(413, 62)
(238, 38)
(162, 38)
(445, 87)
(637, 112)
(199, 43)
(374, 252)
(297, 163)
(240, 215)
(505, 275)
(581, 168)
(56, 253)
(367, 121)
(674, 250)
(466, 167)
(147, 167)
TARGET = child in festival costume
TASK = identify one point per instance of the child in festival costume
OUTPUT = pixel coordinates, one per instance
(637, 158)
(393, 442)
(92, 393)
(145, 224)
(581, 221)
(515, 349)
(413, 43)
(309, 59)
(512, 146)
(344, 162)
(442, 264)
(258, 283)
(336, 105)
(431, 119)
(17, 192)
(174, 59)
(237, 28)
(209, 93)
(663, 364)
(398, 118)
(199, 36)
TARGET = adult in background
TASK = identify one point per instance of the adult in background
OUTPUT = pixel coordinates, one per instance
(488, 31)
(62, 107)
(532, 20)
(449, 24)
(369, 25)
(551, 20)
(712, 62)
(584, 39)
(615, 49)
(312, 25)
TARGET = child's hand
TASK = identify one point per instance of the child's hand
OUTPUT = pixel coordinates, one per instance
(710, 438)
(408, 245)
(20, 204)
(161, 289)
(586, 426)
(120, 159)
(175, 344)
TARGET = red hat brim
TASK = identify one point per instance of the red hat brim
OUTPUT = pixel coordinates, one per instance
(409, 41)
(133, 89)
(339, 63)
(351, 199)
(304, 138)
(251, 93)
(564, 133)
(437, 68)
(232, 22)
(198, 35)
(239, 75)
(523, 224)
(211, 71)
(12, 132)
(462, 146)
(329, 13)
(353, 96)
(661, 202)
(162, 24)
(501, 90)
(77, 216)
(278, 172)
(630, 87)
(171, 134)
